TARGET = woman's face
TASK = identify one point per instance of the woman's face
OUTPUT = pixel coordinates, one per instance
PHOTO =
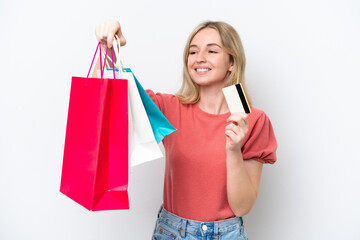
(208, 63)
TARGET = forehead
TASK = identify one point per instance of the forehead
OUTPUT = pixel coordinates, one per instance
(206, 36)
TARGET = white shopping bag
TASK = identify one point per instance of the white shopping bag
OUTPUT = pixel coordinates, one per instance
(142, 144)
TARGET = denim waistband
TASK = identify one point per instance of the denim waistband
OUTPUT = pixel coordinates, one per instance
(183, 225)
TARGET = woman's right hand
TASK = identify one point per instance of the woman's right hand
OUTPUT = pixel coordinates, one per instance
(106, 31)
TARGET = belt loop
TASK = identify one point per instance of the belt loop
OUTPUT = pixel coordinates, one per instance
(183, 228)
(160, 210)
(216, 228)
(241, 221)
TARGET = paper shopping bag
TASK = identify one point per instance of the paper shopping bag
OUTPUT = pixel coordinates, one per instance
(142, 143)
(160, 125)
(95, 163)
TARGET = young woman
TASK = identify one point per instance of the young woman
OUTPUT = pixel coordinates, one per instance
(214, 160)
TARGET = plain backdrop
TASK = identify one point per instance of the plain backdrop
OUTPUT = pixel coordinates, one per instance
(303, 61)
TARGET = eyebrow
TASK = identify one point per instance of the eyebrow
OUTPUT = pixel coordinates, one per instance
(208, 45)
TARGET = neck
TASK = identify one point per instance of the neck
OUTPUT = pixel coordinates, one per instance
(212, 100)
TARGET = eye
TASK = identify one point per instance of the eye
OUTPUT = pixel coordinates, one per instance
(212, 51)
(192, 52)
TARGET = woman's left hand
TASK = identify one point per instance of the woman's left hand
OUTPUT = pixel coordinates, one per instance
(236, 131)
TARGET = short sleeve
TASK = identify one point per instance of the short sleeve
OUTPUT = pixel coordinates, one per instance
(260, 143)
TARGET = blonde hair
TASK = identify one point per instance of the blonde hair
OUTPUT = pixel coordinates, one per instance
(189, 91)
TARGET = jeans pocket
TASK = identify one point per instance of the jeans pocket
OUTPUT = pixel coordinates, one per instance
(237, 233)
(164, 232)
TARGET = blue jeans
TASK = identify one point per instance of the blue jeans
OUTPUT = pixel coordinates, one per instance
(170, 226)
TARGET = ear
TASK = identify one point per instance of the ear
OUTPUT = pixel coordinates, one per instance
(231, 67)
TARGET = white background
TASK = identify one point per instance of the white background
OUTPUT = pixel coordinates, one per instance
(303, 61)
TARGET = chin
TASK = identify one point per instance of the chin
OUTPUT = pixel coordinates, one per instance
(202, 83)
(208, 83)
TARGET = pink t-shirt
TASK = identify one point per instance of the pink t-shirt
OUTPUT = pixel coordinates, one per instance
(195, 168)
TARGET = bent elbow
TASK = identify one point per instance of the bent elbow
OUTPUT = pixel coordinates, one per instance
(242, 212)
(244, 209)
(243, 206)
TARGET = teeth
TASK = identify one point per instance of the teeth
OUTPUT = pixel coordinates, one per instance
(202, 69)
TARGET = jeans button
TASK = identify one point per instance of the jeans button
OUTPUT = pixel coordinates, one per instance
(204, 227)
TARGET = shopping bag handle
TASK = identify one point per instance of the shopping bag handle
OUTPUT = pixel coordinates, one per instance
(102, 69)
(116, 47)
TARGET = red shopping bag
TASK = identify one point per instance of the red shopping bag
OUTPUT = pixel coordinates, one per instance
(95, 164)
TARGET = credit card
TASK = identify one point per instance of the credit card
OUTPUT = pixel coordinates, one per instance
(236, 99)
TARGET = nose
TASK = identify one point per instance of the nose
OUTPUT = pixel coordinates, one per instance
(200, 57)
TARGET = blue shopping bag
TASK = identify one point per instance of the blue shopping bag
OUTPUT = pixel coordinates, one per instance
(160, 125)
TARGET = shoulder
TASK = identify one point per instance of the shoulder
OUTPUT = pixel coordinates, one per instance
(260, 142)
(169, 97)
(164, 101)
(163, 96)
(256, 114)
(258, 121)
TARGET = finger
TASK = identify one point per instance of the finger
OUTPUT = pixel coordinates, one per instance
(234, 128)
(102, 30)
(122, 39)
(239, 130)
(114, 28)
(235, 117)
(242, 123)
(232, 137)
(110, 35)
(104, 33)
(238, 121)
(232, 125)
(101, 33)
(238, 115)
(234, 134)
(230, 134)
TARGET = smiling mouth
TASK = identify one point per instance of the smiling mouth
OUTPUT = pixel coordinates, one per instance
(202, 69)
